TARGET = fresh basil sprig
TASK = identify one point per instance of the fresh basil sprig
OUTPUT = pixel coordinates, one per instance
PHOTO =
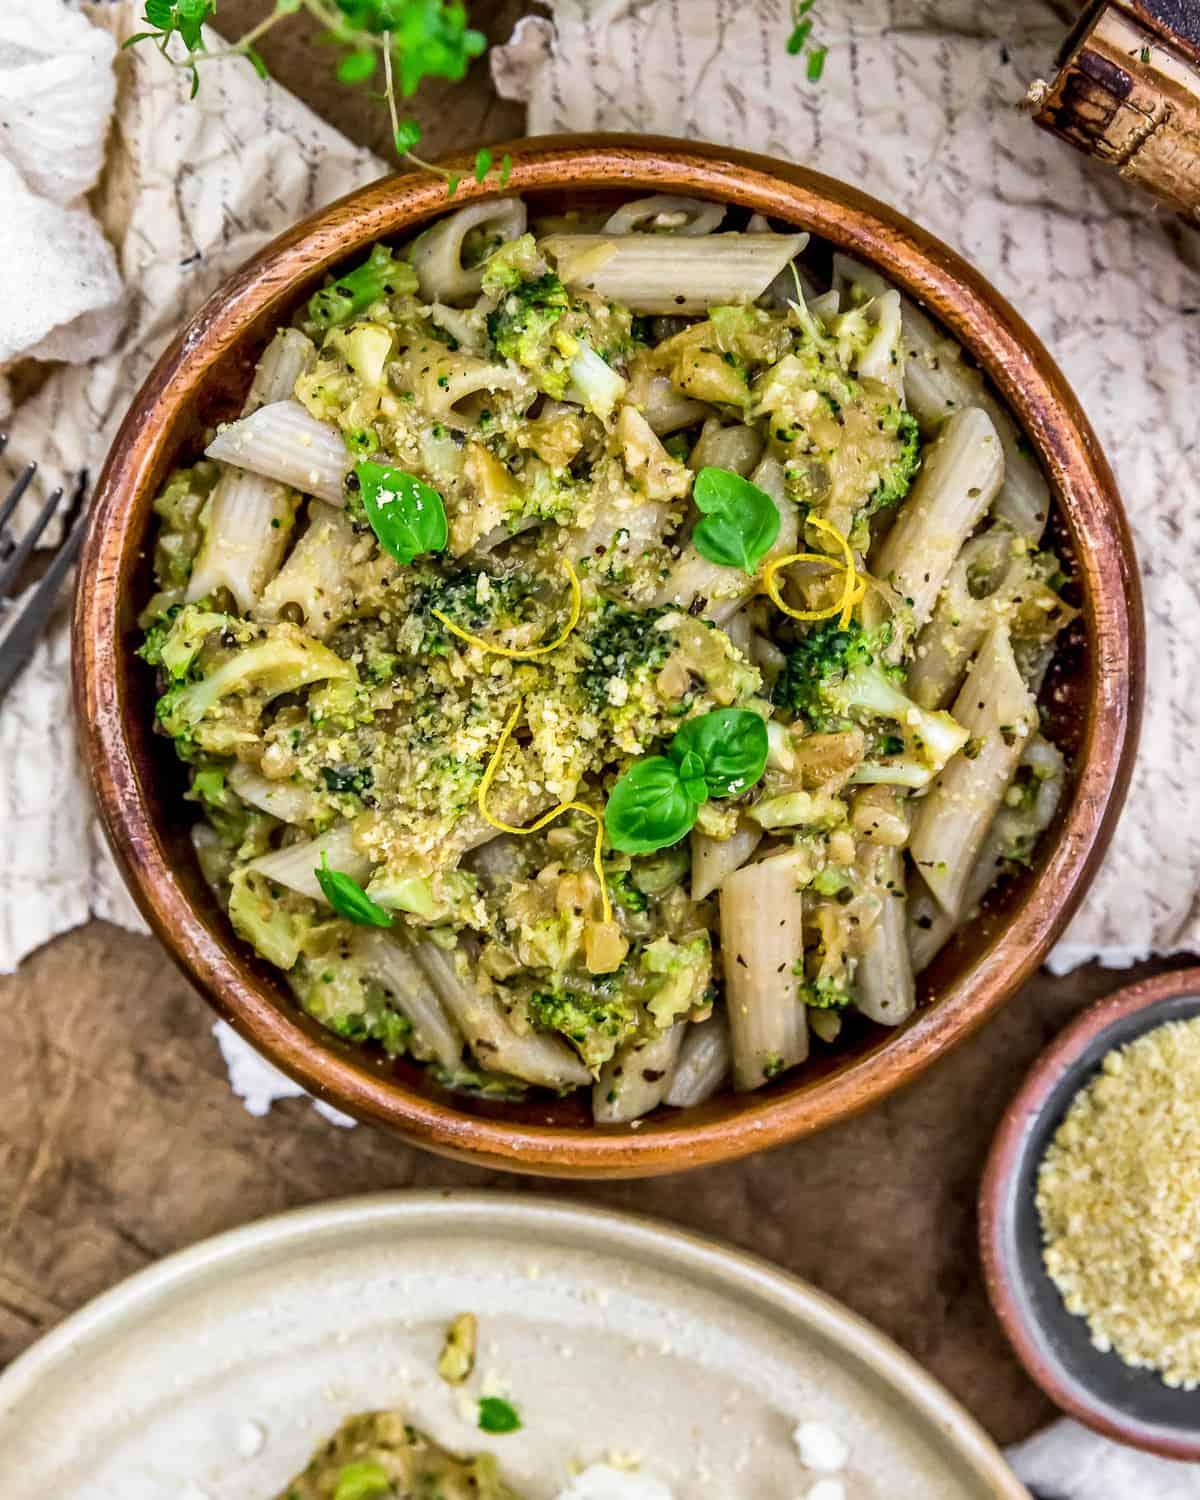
(653, 804)
(405, 514)
(741, 522)
(348, 898)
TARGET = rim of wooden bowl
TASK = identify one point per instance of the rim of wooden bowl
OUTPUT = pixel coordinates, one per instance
(115, 746)
(1006, 1157)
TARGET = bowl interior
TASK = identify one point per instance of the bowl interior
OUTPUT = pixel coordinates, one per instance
(148, 821)
(1102, 1386)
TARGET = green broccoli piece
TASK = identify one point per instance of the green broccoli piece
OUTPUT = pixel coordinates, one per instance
(619, 643)
(833, 993)
(521, 328)
(156, 635)
(623, 891)
(380, 275)
(478, 601)
(596, 1021)
(900, 472)
(834, 677)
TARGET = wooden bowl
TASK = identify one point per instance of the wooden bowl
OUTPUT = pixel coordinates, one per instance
(1132, 1406)
(201, 379)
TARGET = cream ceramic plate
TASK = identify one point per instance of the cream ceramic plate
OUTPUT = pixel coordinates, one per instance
(213, 1375)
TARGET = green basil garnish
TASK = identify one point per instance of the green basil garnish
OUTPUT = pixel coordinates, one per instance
(348, 898)
(741, 522)
(654, 802)
(649, 807)
(730, 743)
(496, 1415)
(405, 514)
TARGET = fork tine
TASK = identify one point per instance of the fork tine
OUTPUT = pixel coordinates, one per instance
(11, 567)
(18, 489)
(17, 646)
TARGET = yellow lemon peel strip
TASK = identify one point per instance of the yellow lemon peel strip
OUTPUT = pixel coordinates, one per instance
(530, 651)
(853, 590)
(485, 786)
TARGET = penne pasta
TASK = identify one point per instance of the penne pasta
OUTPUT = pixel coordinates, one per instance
(705, 1060)
(284, 360)
(957, 482)
(762, 941)
(665, 213)
(660, 274)
(532, 1057)
(714, 860)
(636, 1079)
(315, 580)
(248, 527)
(285, 442)
(738, 448)
(884, 988)
(1011, 838)
(440, 255)
(999, 712)
(285, 800)
(389, 960)
(295, 865)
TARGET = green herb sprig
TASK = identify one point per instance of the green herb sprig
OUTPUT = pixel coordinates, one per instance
(654, 802)
(410, 40)
(348, 898)
(406, 514)
(741, 522)
(498, 1415)
(802, 25)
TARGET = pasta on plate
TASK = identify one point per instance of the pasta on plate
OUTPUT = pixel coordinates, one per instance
(603, 658)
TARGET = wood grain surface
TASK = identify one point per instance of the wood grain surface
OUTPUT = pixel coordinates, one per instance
(120, 1140)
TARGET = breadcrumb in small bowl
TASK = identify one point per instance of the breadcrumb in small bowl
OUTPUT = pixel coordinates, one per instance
(1090, 1188)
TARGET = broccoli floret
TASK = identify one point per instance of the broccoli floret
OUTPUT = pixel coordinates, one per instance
(512, 263)
(834, 676)
(624, 892)
(826, 994)
(522, 328)
(483, 603)
(380, 275)
(900, 471)
(622, 644)
(595, 1020)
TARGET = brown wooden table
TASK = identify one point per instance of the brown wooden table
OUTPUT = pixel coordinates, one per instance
(120, 1140)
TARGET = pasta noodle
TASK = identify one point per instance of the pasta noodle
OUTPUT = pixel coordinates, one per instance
(660, 274)
(704, 1063)
(285, 442)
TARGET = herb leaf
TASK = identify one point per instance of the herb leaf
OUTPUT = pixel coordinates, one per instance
(348, 898)
(649, 807)
(740, 522)
(497, 1415)
(405, 514)
(731, 745)
(654, 802)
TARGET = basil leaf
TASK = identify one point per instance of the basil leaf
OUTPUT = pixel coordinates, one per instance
(741, 522)
(406, 515)
(649, 807)
(348, 898)
(497, 1415)
(730, 743)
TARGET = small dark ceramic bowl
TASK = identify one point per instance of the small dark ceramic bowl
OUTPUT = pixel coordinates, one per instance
(1131, 1406)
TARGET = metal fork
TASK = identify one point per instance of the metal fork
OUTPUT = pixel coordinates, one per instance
(17, 643)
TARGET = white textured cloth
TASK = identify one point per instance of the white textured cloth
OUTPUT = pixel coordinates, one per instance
(1067, 1462)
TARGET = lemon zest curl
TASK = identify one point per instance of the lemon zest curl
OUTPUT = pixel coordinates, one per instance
(531, 651)
(854, 588)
